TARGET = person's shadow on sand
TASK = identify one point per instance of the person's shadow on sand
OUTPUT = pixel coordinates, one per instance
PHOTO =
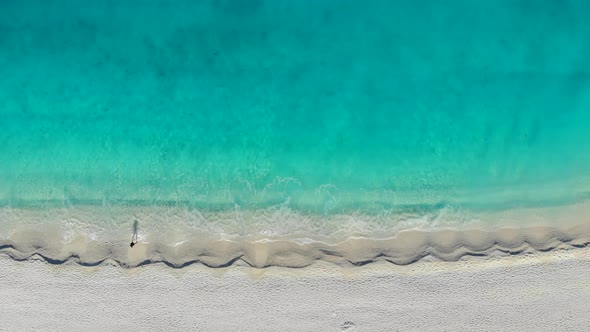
(134, 236)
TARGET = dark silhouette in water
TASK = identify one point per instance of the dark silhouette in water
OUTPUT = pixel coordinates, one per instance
(134, 236)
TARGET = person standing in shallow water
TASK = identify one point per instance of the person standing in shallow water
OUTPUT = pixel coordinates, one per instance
(134, 236)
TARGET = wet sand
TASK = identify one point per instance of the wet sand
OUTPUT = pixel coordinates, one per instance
(90, 236)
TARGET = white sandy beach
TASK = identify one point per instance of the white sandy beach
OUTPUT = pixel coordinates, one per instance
(532, 292)
(480, 276)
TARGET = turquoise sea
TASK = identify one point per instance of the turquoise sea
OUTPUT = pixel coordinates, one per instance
(327, 107)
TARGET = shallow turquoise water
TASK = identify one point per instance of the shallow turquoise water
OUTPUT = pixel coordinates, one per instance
(320, 106)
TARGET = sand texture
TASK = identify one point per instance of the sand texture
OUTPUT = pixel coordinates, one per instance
(540, 292)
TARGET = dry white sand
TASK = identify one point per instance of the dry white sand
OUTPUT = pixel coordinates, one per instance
(533, 292)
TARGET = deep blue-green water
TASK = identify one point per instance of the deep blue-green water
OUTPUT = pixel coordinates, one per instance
(327, 106)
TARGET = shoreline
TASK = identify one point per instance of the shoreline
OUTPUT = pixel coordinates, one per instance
(407, 247)
(176, 237)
